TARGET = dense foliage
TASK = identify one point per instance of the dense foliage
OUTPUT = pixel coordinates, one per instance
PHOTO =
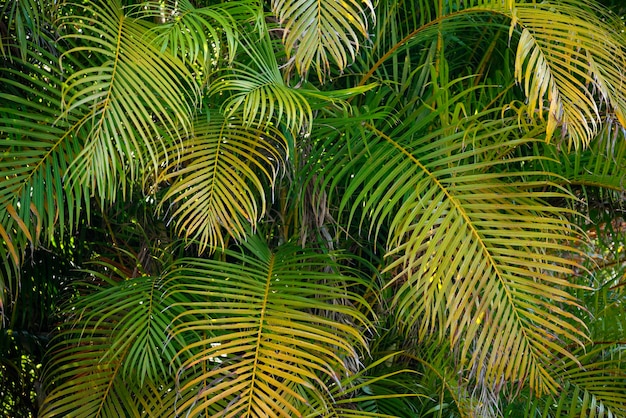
(312, 208)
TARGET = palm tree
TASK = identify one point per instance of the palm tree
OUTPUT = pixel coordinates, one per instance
(338, 209)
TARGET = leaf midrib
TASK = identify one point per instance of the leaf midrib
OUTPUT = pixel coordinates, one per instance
(105, 102)
(254, 370)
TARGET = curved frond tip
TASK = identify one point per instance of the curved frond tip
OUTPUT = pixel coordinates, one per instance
(571, 64)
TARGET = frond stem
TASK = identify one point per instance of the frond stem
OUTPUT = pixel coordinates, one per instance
(268, 284)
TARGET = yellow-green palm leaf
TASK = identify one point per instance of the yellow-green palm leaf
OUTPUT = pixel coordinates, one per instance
(84, 123)
(316, 32)
(570, 64)
(219, 180)
(474, 252)
(275, 331)
(131, 95)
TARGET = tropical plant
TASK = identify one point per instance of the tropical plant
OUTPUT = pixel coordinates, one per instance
(312, 208)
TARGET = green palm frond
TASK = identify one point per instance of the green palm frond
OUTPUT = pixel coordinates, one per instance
(566, 61)
(220, 177)
(115, 347)
(473, 249)
(89, 391)
(37, 149)
(129, 94)
(597, 387)
(593, 388)
(16, 238)
(140, 341)
(272, 328)
(378, 391)
(23, 24)
(202, 34)
(601, 165)
(97, 120)
(605, 303)
(316, 32)
(256, 90)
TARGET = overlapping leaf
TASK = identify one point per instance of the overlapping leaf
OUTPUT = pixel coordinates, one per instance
(566, 58)
(316, 32)
(475, 249)
(219, 180)
(129, 93)
(70, 133)
(91, 389)
(274, 330)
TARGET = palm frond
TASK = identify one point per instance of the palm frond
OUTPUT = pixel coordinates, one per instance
(22, 25)
(605, 314)
(96, 393)
(377, 391)
(104, 392)
(219, 179)
(115, 345)
(42, 146)
(256, 90)
(601, 165)
(201, 35)
(439, 197)
(316, 32)
(593, 388)
(566, 63)
(597, 387)
(16, 238)
(565, 59)
(129, 94)
(263, 339)
(37, 150)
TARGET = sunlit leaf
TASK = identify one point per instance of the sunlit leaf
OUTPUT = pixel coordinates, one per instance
(264, 331)
(320, 32)
(219, 180)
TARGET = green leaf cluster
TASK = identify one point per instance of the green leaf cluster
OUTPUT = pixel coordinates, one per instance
(312, 208)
